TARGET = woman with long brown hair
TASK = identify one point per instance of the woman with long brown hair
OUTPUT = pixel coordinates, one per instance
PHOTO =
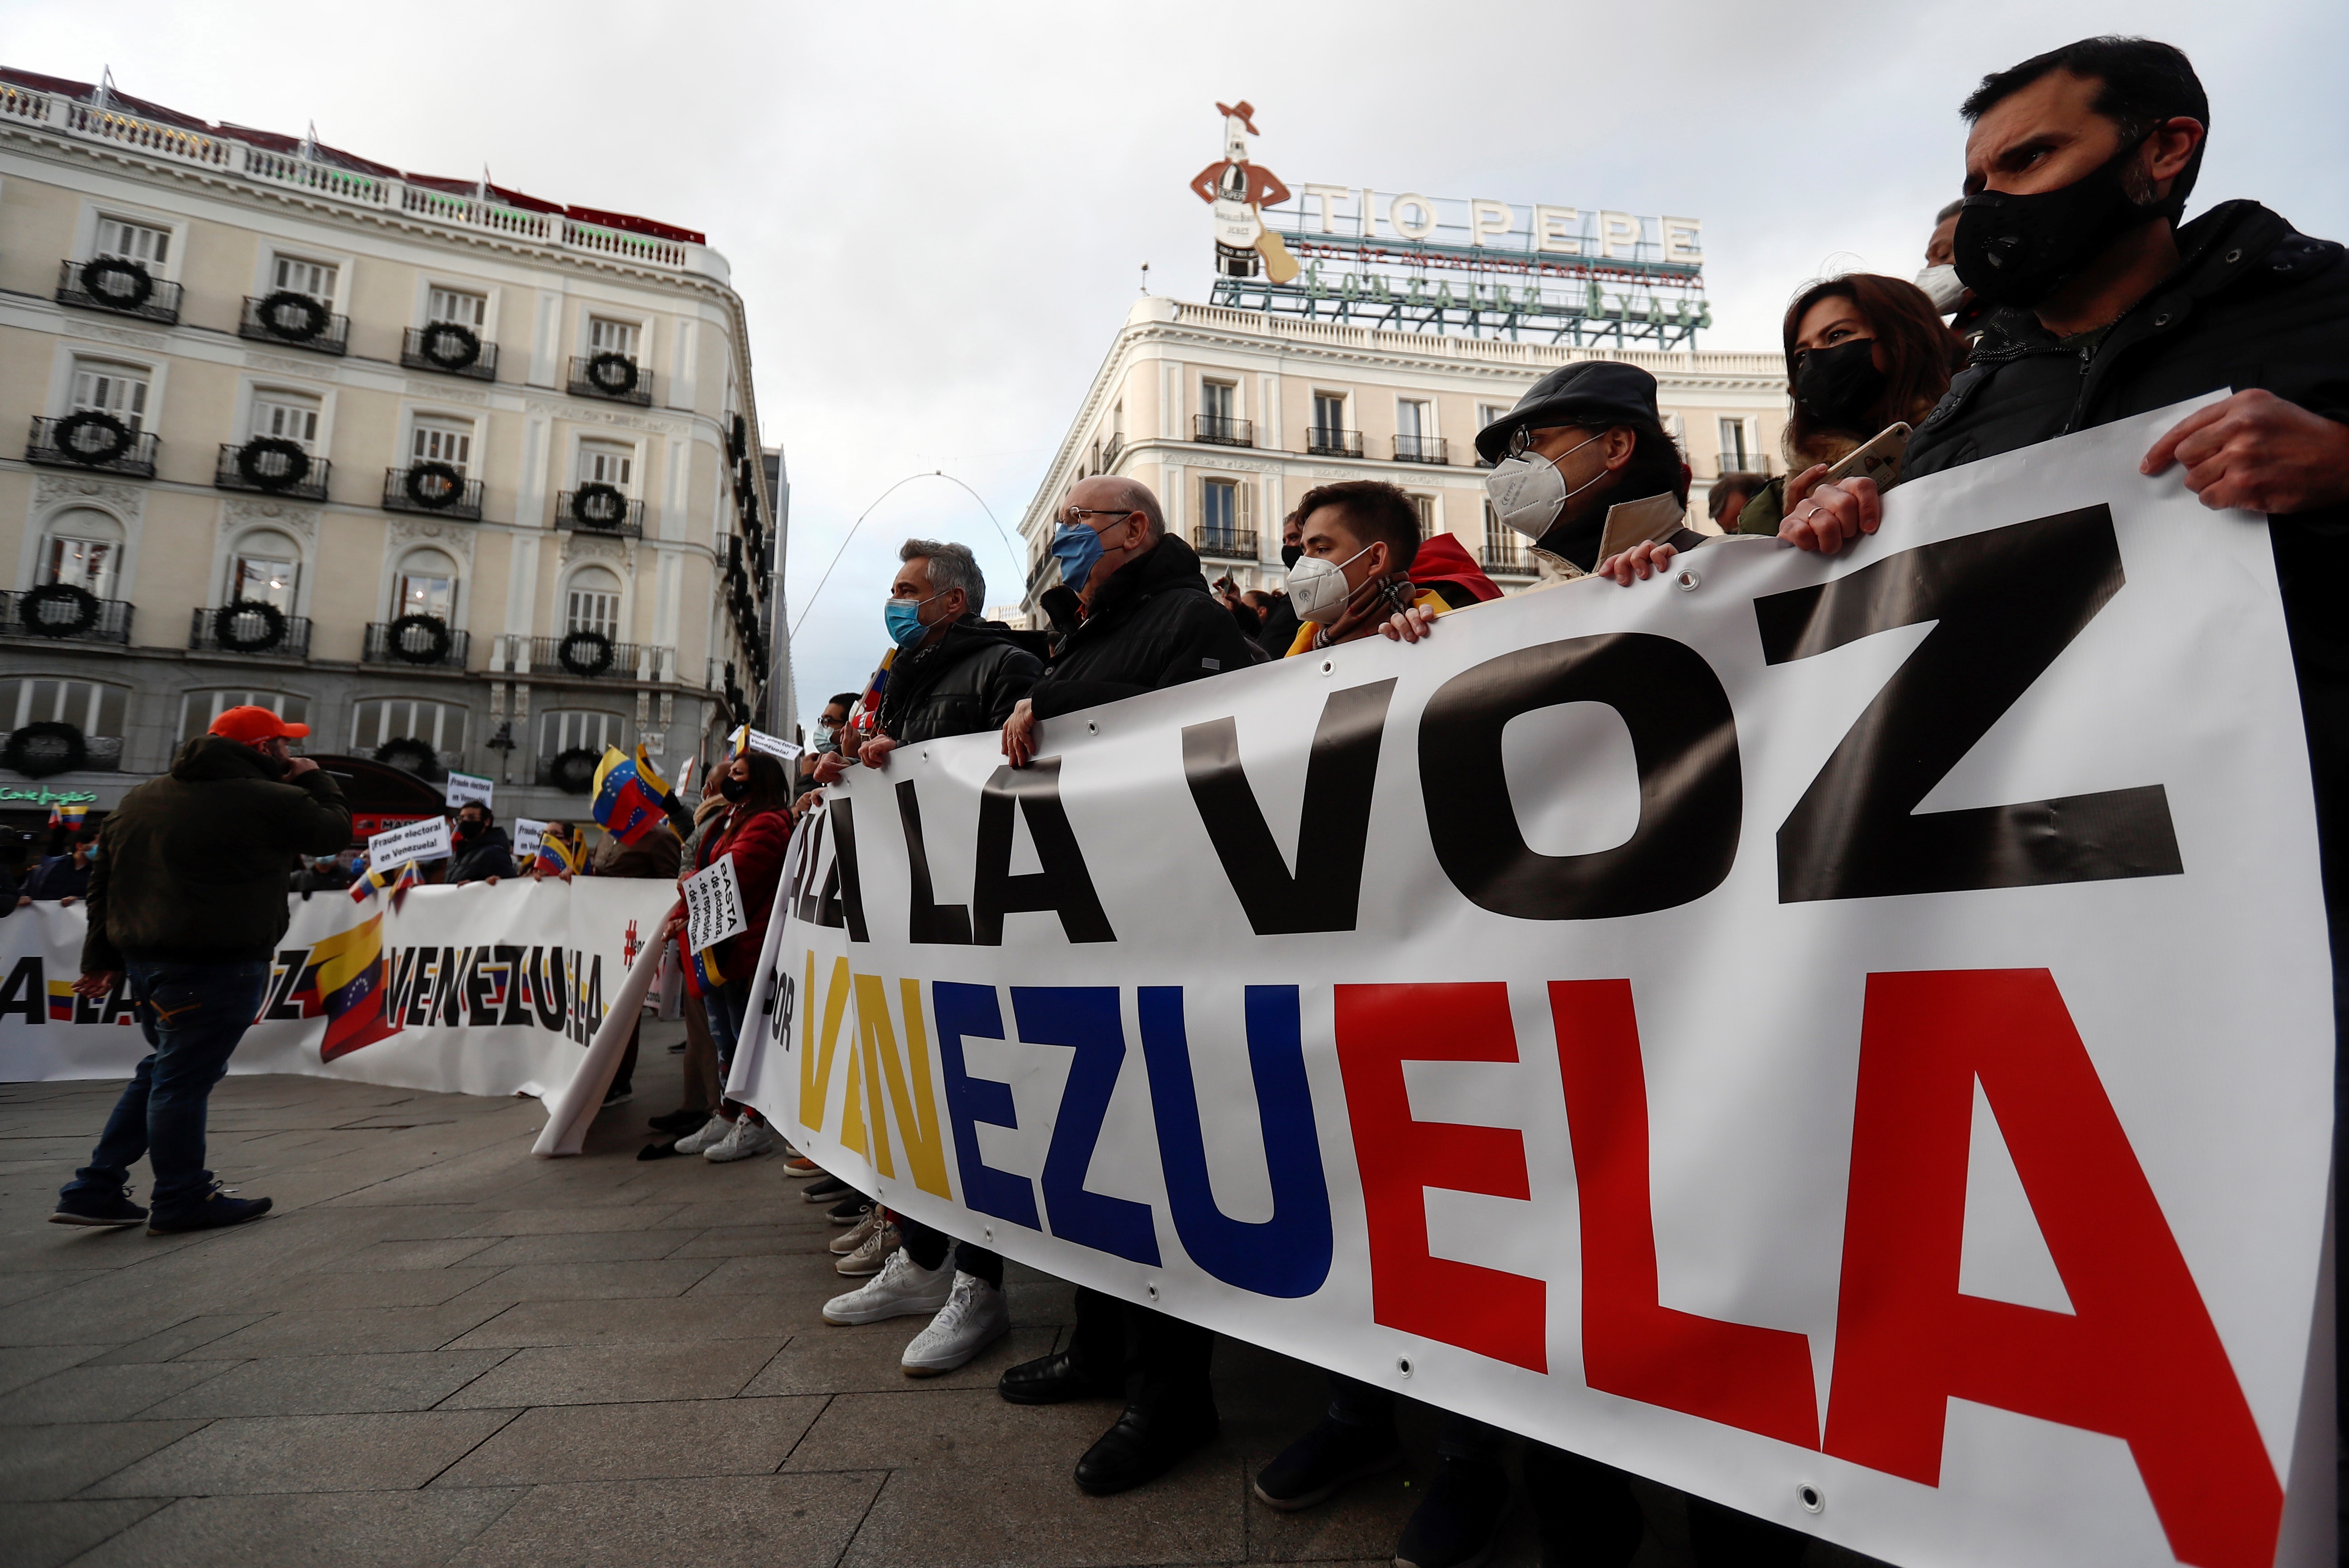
(1863, 352)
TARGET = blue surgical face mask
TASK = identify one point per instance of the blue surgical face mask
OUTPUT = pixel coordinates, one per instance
(1077, 549)
(904, 619)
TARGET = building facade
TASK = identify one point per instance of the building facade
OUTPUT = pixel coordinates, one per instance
(1231, 416)
(461, 478)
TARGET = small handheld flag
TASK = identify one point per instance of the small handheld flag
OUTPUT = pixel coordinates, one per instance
(625, 806)
(558, 855)
(679, 817)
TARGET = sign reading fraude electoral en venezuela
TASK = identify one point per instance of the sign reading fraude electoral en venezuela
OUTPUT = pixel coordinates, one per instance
(1849, 1038)
(479, 989)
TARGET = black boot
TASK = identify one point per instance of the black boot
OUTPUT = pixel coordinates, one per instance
(1456, 1526)
(1091, 1367)
(1147, 1442)
(1326, 1458)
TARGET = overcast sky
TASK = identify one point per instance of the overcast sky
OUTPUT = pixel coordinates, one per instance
(937, 214)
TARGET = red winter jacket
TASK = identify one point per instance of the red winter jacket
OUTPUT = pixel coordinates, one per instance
(757, 842)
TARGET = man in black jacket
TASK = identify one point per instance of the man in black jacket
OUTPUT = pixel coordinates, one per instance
(187, 897)
(1149, 621)
(484, 853)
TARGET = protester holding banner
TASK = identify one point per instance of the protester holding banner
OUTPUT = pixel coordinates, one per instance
(653, 856)
(484, 853)
(756, 830)
(1584, 458)
(1365, 570)
(1149, 621)
(64, 874)
(189, 896)
(704, 1090)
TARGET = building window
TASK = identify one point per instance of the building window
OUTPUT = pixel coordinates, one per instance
(1733, 446)
(316, 279)
(1219, 510)
(1117, 421)
(594, 602)
(560, 729)
(287, 417)
(103, 386)
(1216, 399)
(428, 586)
(199, 708)
(83, 549)
(604, 463)
(455, 306)
(449, 441)
(265, 570)
(141, 242)
(1412, 420)
(95, 709)
(1329, 419)
(440, 725)
(608, 336)
(1425, 506)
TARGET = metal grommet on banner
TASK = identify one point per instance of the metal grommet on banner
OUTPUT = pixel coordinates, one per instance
(1153, 1291)
(987, 1233)
(1328, 665)
(1402, 1365)
(1092, 728)
(1685, 580)
(1812, 1499)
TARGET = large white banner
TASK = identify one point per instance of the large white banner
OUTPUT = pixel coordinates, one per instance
(1849, 1038)
(478, 989)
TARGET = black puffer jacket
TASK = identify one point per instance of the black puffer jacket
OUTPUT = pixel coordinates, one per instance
(193, 867)
(967, 682)
(1152, 624)
(488, 854)
(2252, 305)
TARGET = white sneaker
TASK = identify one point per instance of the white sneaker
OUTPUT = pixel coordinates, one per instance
(747, 1138)
(849, 1241)
(868, 1259)
(974, 1318)
(703, 1136)
(904, 1289)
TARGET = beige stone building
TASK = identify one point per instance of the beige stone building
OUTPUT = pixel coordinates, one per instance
(460, 477)
(1232, 415)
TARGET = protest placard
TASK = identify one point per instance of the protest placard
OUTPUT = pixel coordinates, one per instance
(465, 788)
(426, 839)
(713, 905)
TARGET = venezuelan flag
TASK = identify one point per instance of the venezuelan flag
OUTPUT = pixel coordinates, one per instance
(702, 974)
(679, 817)
(367, 883)
(61, 1001)
(68, 816)
(350, 967)
(625, 805)
(556, 855)
(410, 875)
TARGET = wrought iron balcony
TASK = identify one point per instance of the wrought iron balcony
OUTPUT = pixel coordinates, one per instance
(435, 490)
(120, 287)
(257, 630)
(451, 347)
(271, 465)
(1217, 430)
(594, 655)
(1739, 463)
(60, 613)
(1506, 560)
(418, 642)
(293, 320)
(1325, 442)
(94, 442)
(614, 376)
(1420, 450)
(600, 509)
(1115, 445)
(1229, 544)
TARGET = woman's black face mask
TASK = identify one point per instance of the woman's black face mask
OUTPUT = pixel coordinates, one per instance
(1840, 386)
(733, 787)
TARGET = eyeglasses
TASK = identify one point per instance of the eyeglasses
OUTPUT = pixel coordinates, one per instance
(1074, 516)
(1521, 440)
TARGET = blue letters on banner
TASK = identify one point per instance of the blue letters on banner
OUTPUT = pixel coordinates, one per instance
(1085, 1019)
(972, 1011)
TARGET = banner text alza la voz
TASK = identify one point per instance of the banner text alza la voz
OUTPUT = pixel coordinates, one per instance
(1848, 1032)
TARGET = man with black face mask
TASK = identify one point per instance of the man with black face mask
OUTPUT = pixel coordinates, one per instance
(1582, 455)
(484, 853)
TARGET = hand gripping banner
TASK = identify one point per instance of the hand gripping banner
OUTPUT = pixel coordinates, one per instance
(1849, 1038)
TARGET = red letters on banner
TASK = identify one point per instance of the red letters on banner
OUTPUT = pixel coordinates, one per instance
(1379, 1028)
(1755, 1378)
(2139, 1361)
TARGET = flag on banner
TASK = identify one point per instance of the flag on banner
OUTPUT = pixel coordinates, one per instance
(679, 817)
(555, 855)
(349, 969)
(410, 875)
(367, 882)
(627, 805)
(61, 1001)
(702, 974)
(69, 817)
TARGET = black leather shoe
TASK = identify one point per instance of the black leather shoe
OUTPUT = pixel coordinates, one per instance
(1147, 1442)
(1053, 1379)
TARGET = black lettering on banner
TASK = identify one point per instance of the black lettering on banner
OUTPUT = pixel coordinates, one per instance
(448, 999)
(420, 967)
(480, 1001)
(843, 890)
(805, 906)
(516, 1010)
(927, 920)
(2007, 602)
(1064, 886)
(119, 1002)
(287, 973)
(26, 991)
(1340, 775)
(590, 992)
(547, 994)
(1683, 737)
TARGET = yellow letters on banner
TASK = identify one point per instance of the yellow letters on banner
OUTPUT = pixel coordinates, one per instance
(815, 1069)
(915, 1108)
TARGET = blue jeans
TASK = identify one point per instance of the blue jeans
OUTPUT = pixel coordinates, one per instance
(193, 1016)
(728, 1009)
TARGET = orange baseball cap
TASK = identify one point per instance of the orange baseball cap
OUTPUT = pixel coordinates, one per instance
(253, 726)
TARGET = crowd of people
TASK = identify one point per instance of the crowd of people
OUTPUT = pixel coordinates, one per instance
(2062, 290)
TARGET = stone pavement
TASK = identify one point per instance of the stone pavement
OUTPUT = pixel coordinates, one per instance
(439, 1349)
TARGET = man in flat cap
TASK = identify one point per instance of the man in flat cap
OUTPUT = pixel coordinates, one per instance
(1584, 458)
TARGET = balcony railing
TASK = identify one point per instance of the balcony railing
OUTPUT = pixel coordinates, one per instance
(418, 642)
(1507, 561)
(628, 661)
(1217, 430)
(435, 490)
(118, 287)
(614, 376)
(97, 443)
(600, 509)
(1420, 450)
(1324, 442)
(1229, 544)
(1739, 463)
(293, 320)
(246, 629)
(449, 348)
(1109, 451)
(60, 615)
(271, 465)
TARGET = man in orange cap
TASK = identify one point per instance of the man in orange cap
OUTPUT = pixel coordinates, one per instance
(188, 900)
